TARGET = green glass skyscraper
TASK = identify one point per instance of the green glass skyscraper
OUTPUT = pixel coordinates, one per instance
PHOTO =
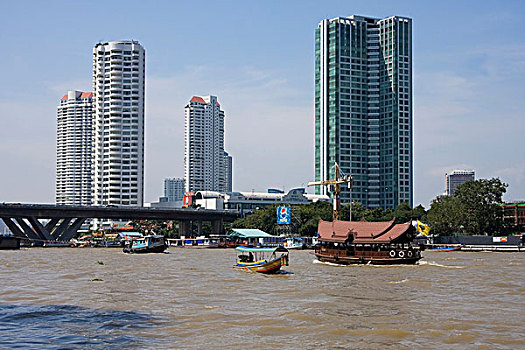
(363, 107)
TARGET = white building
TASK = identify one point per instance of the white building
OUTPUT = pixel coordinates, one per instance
(74, 138)
(456, 178)
(173, 189)
(246, 202)
(118, 148)
(204, 168)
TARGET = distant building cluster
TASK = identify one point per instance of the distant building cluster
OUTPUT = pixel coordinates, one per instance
(456, 178)
(173, 189)
(363, 122)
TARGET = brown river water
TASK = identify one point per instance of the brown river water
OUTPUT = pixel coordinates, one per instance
(89, 298)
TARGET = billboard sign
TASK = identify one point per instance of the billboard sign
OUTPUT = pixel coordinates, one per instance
(187, 200)
(284, 215)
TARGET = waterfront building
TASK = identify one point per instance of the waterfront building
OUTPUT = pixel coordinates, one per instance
(456, 178)
(228, 172)
(118, 124)
(204, 168)
(363, 108)
(247, 202)
(74, 139)
(514, 217)
(173, 190)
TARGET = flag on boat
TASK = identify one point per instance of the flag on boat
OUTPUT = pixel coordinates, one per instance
(422, 228)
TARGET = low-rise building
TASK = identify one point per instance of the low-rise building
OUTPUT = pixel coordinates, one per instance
(246, 202)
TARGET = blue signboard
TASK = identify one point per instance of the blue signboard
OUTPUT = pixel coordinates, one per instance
(284, 215)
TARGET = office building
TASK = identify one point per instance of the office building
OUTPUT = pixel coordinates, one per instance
(228, 172)
(204, 168)
(74, 139)
(456, 178)
(363, 107)
(118, 124)
(173, 189)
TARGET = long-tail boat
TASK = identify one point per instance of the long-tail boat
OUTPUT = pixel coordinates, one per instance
(263, 260)
(362, 242)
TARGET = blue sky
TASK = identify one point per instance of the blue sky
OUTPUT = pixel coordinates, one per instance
(258, 58)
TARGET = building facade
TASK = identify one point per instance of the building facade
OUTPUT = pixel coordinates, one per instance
(363, 107)
(118, 125)
(204, 168)
(247, 202)
(74, 140)
(228, 172)
(456, 178)
(174, 189)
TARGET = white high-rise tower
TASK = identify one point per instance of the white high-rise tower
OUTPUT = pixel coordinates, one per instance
(204, 152)
(118, 125)
(74, 138)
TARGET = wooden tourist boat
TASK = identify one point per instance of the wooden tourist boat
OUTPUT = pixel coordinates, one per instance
(263, 260)
(362, 242)
(147, 244)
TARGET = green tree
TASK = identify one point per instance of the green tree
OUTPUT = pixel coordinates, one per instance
(444, 216)
(480, 200)
(357, 211)
(474, 209)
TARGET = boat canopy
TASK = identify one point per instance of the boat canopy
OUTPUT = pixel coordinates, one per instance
(249, 233)
(365, 232)
(260, 250)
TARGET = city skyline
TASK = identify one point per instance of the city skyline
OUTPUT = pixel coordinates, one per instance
(468, 83)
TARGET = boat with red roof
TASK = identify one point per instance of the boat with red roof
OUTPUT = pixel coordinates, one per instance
(363, 242)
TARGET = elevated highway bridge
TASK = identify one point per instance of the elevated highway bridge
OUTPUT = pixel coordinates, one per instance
(63, 221)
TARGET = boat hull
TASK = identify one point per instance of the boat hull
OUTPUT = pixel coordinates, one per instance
(262, 267)
(159, 248)
(447, 249)
(367, 260)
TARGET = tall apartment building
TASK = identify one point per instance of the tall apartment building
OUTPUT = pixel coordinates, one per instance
(228, 172)
(118, 125)
(204, 150)
(74, 139)
(174, 189)
(363, 107)
(456, 178)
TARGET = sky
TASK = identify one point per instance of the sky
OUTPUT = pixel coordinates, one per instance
(258, 58)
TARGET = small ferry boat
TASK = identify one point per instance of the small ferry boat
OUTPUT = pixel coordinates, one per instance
(362, 242)
(293, 243)
(146, 244)
(263, 260)
(199, 242)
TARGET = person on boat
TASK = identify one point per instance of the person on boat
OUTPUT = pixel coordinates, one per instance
(250, 257)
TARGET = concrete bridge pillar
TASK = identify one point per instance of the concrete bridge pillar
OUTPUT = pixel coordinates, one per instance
(217, 227)
(199, 228)
(185, 228)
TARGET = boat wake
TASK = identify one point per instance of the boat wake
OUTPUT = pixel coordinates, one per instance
(433, 263)
(325, 263)
(398, 282)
